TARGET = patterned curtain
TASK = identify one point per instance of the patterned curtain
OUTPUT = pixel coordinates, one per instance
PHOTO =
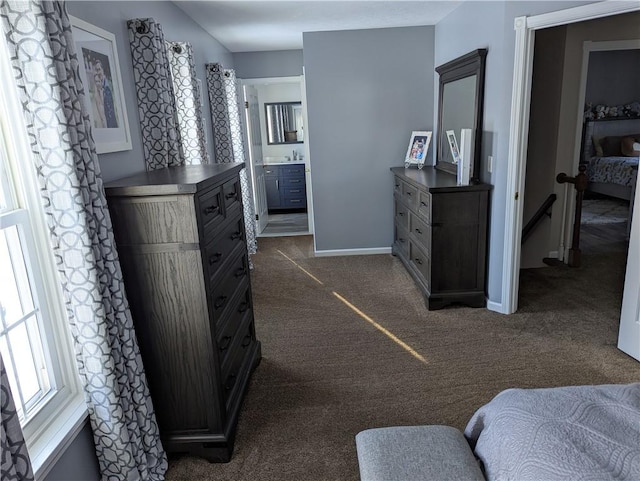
(47, 75)
(154, 88)
(188, 102)
(15, 464)
(228, 137)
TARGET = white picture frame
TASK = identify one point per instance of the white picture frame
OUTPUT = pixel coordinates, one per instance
(453, 146)
(99, 69)
(418, 148)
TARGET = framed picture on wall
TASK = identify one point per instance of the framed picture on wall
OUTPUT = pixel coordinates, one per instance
(104, 95)
(418, 148)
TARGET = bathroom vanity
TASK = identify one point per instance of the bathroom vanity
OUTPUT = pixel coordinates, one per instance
(286, 186)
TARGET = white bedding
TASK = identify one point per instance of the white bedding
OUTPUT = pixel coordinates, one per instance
(586, 433)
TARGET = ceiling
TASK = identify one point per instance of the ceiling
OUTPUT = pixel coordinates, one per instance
(247, 26)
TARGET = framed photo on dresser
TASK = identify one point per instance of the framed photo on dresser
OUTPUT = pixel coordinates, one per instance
(418, 148)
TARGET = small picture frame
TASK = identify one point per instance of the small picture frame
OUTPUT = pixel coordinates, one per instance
(418, 148)
(453, 146)
(104, 96)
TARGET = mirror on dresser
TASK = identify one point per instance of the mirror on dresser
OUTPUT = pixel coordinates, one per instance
(460, 106)
(284, 122)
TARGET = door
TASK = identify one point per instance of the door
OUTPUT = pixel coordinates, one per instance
(629, 333)
(254, 141)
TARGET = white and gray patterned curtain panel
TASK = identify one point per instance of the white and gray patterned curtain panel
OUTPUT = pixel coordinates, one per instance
(228, 137)
(188, 102)
(120, 408)
(154, 89)
(15, 464)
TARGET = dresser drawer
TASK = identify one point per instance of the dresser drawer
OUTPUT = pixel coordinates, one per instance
(420, 231)
(421, 262)
(221, 247)
(424, 205)
(410, 195)
(401, 215)
(226, 336)
(210, 205)
(232, 194)
(401, 240)
(237, 364)
(234, 280)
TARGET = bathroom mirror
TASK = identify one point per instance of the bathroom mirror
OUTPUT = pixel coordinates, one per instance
(284, 122)
(460, 106)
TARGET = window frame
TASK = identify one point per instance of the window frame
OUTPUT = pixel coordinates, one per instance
(55, 425)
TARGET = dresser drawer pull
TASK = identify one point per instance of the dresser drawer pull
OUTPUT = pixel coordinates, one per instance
(418, 260)
(211, 209)
(236, 235)
(243, 307)
(215, 258)
(240, 272)
(422, 203)
(295, 201)
(246, 341)
(230, 382)
(418, 231)
(220, 301)
(401, 214)
(225, 343)
(295, 181)
(294, 191)
(231, 195)
(401, 239)
(409, 194)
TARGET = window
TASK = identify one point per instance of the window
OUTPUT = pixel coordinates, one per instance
(34, 337)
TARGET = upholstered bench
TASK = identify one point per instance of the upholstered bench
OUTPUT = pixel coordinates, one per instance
(411, 453)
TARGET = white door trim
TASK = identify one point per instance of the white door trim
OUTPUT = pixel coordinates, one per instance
(518, 133)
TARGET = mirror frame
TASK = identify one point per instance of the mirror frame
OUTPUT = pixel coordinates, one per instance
(467, 65)
(266, 121)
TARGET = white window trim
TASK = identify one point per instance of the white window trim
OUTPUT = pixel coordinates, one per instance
(51, 430)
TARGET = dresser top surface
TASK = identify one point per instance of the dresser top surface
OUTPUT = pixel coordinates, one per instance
(172, 180)
(435, 180)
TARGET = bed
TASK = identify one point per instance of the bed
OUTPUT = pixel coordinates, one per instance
(609, 155)
(567, 433)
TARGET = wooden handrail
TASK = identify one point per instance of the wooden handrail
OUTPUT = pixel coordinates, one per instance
(546, 205)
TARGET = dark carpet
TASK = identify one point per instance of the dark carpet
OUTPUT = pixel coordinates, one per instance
(331, 369)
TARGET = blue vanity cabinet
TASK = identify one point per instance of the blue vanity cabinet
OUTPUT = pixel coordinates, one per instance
(286, 187)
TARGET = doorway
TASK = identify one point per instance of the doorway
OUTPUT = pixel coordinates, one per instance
(275, 121)
(629, 334)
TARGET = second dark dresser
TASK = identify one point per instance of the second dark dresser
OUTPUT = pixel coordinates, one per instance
(441, 235)
(181, 240)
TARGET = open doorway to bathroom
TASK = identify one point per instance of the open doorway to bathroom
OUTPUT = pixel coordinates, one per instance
(275, 121)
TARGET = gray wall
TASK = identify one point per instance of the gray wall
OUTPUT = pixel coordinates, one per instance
(367, 90)
(79, 462)
(113, 16)
(614, 77)
(279, 63)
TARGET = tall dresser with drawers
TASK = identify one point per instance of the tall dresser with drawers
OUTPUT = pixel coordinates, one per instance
(441, 235)
(181, 240)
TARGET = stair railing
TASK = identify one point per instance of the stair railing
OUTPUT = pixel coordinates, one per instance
(580, 182)
(540, 213)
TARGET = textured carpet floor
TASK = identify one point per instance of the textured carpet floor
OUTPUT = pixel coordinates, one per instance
(329, 371)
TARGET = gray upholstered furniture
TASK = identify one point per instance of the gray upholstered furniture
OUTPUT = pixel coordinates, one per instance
(412, 453)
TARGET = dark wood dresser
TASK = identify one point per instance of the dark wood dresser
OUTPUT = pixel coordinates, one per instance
(441, 235)
(181, 240)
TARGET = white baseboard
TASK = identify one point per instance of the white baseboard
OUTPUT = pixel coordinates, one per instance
(496, 307)
(353, 252)
(553, 255)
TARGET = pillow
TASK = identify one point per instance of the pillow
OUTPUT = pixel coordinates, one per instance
(630, 146)
(611, 146)
(597, 145)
